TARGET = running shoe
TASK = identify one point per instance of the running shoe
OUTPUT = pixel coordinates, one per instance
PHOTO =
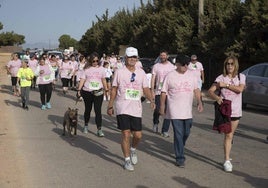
(133, 157)
(48, 105)
(128, 166)
(43, 107)
(227, 166)
(100, 133)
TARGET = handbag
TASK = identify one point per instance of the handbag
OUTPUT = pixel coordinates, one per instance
(98, 92)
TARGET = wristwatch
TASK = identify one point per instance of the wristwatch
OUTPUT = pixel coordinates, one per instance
(227, 86)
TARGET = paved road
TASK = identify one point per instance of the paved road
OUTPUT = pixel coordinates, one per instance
(51, 160)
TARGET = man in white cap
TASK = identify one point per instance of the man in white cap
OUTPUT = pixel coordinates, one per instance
(129, 84)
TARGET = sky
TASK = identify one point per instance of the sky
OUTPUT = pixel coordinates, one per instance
(44, 21)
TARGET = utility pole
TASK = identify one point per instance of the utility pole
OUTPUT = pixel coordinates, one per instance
(200, 14)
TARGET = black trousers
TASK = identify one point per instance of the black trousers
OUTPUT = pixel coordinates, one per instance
(45, 92)
(90, 100)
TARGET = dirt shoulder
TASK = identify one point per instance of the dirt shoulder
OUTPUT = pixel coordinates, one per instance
(12, 167)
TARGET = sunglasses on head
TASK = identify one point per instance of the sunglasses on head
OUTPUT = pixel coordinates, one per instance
(133, 75)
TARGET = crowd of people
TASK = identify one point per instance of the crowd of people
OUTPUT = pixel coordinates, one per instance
(170, 90)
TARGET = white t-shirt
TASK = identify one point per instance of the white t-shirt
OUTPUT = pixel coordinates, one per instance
(129, 93)
(180, 93)
(232, 96)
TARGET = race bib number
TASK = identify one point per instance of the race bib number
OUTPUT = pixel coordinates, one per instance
(160, 85)
(94, 85)
(46, 78)
(132, 94)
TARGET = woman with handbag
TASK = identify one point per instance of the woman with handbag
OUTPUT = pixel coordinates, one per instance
(91, 87)
(231, 85)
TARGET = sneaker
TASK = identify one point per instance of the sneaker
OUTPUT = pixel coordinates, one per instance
(133, 157)
(85, 130)
(155, 128)
(228, 167)
(48, 105)
(26, 107)
(128, 166)
(100, 133)
(23, 105)
(43, 107)
(165, 134)
(180, 165)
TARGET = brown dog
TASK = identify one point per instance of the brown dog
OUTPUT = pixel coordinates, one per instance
(70, 120)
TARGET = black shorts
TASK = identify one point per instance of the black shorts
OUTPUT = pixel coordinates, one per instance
(65, 82)
(108, 80)
(14, 81)
(127, 122)
(235, 118)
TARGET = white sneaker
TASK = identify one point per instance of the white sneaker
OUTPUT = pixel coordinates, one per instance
(155, 128)
(165, 134)
(128, 166)
(228, 167)
(85, 130)
(133, 157)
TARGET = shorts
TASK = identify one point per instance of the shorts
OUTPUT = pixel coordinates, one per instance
(14, 81)
(127, 122)
(108, 80)
(235, 118)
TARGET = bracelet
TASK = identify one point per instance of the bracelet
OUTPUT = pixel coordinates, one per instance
(109, 108)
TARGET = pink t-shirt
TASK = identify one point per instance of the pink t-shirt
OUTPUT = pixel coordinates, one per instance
(32, 64)
(47, 76)
(93, 77)
(160, 71)
(196, 68)
(14, 66)
(129, 93)
(180, 92)
(138, 65)
(66, 70)
(232, 96)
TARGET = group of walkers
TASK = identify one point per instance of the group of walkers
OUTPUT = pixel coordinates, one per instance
(170, 91)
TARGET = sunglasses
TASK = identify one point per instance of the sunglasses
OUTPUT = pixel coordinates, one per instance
(132, 79)
(230, 64)
(95, 61)
(132, 57)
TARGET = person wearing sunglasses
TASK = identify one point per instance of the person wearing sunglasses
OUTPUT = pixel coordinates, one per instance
(129, 84)
(231, 85)
(91, 86)
(180, 86)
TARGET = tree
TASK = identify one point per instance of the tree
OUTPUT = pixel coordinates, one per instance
(65, 41)
(11, 38)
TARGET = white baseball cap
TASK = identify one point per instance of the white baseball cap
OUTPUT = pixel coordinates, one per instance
(131, 51)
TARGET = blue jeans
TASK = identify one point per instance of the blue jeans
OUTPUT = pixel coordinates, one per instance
(166, 122)
(181, 128)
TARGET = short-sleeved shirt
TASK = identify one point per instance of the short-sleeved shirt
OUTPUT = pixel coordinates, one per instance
(66, 70)
(232, 96)
(24, 74)
(129, 93)
(48, 75)
(14, 66)
(196, 68)
(180, 90)
(160, 70)
(93, 78)
(32, 64)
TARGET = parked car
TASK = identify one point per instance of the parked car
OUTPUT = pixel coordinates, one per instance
(56, 53)
(146, 63)
(256, 90)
